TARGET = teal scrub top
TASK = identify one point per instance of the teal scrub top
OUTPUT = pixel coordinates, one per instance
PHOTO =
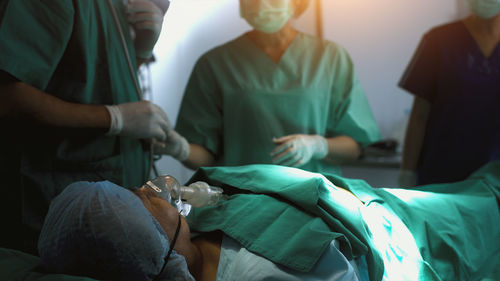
(237, 100)
(289, 216)
(71, 50)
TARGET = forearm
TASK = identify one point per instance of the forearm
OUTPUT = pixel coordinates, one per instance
(415, 133)
(342, 148)
(198, 157)
(23, 102)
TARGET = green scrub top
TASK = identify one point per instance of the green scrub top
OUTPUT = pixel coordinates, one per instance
(71, 50)
(237, 100)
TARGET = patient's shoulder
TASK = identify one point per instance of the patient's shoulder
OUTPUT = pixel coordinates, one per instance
(209, 245)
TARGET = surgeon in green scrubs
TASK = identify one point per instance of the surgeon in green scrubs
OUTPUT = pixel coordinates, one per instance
(69, 110)
(273, 95)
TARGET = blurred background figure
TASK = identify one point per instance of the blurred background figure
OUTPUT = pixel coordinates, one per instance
(454, 127)
(273, 95)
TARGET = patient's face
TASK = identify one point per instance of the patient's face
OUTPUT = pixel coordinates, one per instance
(168, 217)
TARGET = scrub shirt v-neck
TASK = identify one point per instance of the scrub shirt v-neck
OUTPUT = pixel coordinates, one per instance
(237, 100)
(463, 86)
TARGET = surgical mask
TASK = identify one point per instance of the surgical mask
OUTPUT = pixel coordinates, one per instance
(268, 16)
(485, 9)
(198, 194)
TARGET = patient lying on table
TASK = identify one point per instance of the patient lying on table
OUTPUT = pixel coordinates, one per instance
(281, 223)
(104, 231)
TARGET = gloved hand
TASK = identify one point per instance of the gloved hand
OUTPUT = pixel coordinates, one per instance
(297, 150)
(140, 120)
(147, 19)
(175, 145)
(407, 178)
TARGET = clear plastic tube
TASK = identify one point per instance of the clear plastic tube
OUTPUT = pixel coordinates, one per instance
(200, 194)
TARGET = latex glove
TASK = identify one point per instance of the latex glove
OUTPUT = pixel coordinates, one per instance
(297, 150)
(147, 19)
(140, 120)
(175, 145)
(407, 178)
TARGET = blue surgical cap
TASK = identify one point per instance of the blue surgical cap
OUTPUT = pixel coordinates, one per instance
(103, 231)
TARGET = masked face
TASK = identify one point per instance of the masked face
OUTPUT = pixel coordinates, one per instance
(268, 16)
(167, 215)
(484, 8)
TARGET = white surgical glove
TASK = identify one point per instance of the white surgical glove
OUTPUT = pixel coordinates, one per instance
(175, 145)
(147, 19)
(298, 150)
(407, 178)
(140, 120)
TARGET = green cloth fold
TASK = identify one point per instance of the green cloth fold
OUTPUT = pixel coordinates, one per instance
(289, 216)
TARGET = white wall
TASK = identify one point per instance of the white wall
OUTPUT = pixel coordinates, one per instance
(380, 35)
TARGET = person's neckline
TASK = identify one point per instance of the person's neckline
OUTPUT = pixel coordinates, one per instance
(285, 52)
(476, 43)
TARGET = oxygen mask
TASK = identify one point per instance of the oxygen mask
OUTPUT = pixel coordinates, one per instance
(183, 198)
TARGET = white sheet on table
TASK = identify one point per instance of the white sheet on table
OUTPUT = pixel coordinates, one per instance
(237, 263)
